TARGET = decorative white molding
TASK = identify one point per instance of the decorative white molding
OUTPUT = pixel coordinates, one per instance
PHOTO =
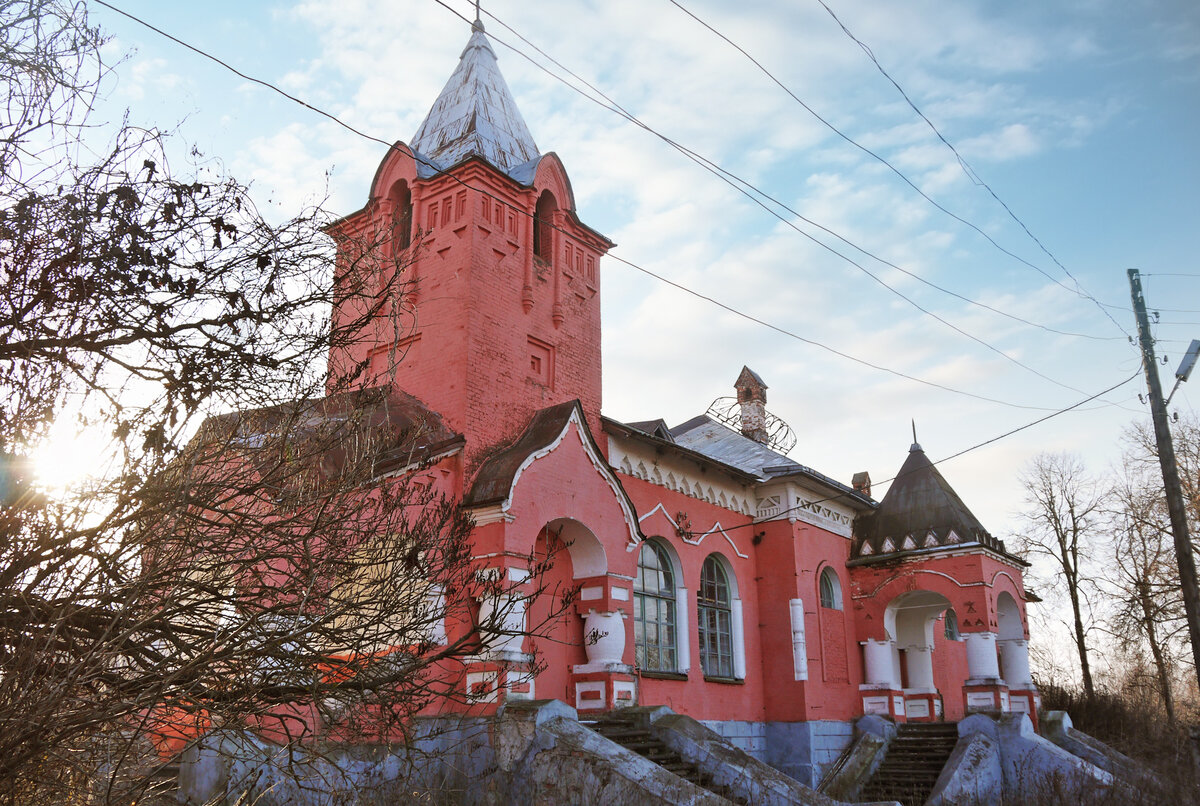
(481, 686)
(912, 571)
(602, 468)
(717, 528)
(493, 514)
(589, 705)
(683, 635)
(739, 638)
(680, 476)
(799, 643)
(657, 508)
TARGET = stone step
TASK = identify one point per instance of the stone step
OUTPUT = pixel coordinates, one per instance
(629, 735)
(914, 761)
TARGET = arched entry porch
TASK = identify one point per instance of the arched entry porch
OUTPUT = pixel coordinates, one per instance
(931, 640)
(913, 618)
(577, 620)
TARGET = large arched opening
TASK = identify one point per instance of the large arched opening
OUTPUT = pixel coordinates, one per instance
(565, 553)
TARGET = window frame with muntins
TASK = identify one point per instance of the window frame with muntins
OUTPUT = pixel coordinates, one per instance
(655, 622)
(714, 619)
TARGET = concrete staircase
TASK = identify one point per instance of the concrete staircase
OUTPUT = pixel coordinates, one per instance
(633, 736)
(914, 760)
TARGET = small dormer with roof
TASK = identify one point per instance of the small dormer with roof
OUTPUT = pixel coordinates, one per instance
(468, 268)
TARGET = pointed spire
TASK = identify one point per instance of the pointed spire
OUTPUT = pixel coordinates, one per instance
(475, 114)
(916, 446)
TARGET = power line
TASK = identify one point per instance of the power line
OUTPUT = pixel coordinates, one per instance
(969, 171)
(746, 186)
(953, 456)
(660, 278)
(749, 190)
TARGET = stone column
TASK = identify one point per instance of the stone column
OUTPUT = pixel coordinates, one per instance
(984, 689)
(880, 669)
(981, 656)
(881, 692)
(505, 614)
(920, 697)
(920, 668)
(683, 632)
(1023, 695)
(1014, 653)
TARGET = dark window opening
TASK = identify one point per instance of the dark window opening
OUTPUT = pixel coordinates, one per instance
(402, 214)
(543, 226)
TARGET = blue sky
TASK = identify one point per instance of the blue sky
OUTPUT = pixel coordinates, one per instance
(1081, 116)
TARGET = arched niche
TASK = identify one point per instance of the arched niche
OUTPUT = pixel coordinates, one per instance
(909, 618)
(1008, 618)
(587, 553)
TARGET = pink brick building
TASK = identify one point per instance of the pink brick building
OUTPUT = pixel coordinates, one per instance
(716, 575)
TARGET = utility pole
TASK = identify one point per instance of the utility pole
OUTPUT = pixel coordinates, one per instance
(1170, 471)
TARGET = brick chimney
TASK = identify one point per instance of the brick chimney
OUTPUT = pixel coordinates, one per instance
(752, 397)
(862, 483)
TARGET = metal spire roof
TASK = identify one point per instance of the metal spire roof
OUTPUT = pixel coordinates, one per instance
(475, 115)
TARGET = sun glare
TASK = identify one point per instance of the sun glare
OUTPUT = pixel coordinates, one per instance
(69, 457)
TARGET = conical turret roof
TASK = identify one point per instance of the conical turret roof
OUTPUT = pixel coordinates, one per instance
(475, 114)
(921, 511)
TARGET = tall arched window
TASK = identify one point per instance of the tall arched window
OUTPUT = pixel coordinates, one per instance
(715, 619)
(402, 213)
(654, 610)
(831, 590)
(543, 226)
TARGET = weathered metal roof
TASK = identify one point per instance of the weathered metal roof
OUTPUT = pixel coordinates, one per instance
(475, 115)
(920, 512)
(389, 428)
(722, 444)
(716, 441)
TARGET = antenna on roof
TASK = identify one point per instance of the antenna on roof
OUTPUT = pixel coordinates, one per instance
(916, 446)
(478, 21)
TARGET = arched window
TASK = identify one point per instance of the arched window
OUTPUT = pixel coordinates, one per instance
(654, 610)
(951, 631)
(543, 226)
(402, 213)
(715, 620)
(831, 590)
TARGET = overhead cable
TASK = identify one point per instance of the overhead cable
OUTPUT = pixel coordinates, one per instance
(617, 258)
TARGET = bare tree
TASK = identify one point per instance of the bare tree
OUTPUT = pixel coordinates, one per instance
(1064, 512)
(1185, 433)
(1144, 576)
(296, 567)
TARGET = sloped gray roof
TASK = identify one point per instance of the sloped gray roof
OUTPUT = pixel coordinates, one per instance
(718, 442)
(711, 438)
(475, 115)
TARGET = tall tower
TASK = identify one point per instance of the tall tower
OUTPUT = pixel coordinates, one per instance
(481, 283)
